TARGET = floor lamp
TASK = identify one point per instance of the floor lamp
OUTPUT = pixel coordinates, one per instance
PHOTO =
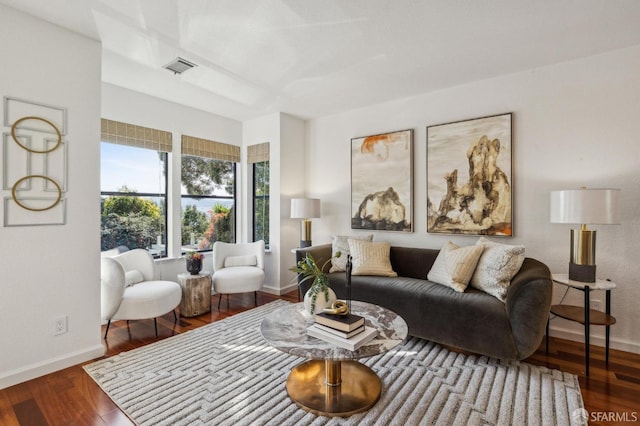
(305, 209)
(584, 207)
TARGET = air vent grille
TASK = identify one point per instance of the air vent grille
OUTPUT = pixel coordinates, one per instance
(179, 65)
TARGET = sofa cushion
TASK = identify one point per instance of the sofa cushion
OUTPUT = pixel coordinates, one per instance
(454, 265)
(497, 265)
(247, 260)
(371, 258)
(340, 244)
(133, 277)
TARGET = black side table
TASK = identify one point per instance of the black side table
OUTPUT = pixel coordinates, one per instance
(584, 314)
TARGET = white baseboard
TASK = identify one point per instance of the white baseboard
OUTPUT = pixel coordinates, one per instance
(597, 340)
(32, 371)
(281, 290)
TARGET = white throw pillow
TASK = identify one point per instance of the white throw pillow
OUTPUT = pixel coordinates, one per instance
(340, 244)
(455, 265)
(496, 267)
(248, 260)
(371, 258)
(132, 277)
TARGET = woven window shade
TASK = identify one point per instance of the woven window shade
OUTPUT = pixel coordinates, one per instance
(210, 149)
(132, 135)
(258, 153)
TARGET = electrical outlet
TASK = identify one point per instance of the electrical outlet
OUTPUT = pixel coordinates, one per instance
(596, 304)
(60, 326)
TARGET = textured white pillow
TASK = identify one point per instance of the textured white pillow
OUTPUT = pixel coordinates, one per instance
(496, 267)
(248, 260)
(340, 243)
(371, 258)
(132, 277)
(454, 266)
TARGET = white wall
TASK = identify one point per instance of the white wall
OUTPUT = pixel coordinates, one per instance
(137, 108)
(51, 271)
(286, 136)
(575, 124)
(292, 185)
(260, 130)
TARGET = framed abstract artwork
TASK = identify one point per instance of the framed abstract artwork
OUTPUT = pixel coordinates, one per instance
(382, 182)
(469, 183)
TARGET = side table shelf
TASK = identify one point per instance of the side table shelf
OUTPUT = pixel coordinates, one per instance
(584, 314)
(196, 294)
(576, 313)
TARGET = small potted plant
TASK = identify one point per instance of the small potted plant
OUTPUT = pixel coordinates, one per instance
(194, 262)
(320, 285)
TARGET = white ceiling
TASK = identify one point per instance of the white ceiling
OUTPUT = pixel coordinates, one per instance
(313, 58)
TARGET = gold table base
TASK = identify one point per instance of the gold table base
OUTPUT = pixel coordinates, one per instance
(334, 388)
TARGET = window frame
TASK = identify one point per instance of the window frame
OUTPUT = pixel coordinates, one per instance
(255, 197)
(165, 171)
(215, 197)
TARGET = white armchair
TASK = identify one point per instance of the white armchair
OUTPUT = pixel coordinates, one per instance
(238, 268)
(130, 290)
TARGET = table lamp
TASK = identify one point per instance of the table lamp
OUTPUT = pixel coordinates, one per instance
(585, 207)
(305, 209)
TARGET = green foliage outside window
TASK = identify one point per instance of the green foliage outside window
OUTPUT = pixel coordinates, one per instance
(212, 179)
(201, 176)
(130, 220)
(129, 205)
(261, 202)
(221, 226)
(194, 222)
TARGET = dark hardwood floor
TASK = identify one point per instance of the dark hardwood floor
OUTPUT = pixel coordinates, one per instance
(70, 397)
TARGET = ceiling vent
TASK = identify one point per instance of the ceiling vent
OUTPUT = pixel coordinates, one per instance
(179, 65)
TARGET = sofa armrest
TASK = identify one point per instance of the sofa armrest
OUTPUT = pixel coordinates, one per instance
(527, 304)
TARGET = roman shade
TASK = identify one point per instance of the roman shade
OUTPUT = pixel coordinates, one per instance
(210, 149)
(258, 153)
(132, 135)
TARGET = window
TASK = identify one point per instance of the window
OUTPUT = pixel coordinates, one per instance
(133, 189)
(261, 202)
(258, 157)
(134, 182)
(208, 202)
(208, 193)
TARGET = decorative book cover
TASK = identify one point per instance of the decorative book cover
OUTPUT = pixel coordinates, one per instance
(340, 333)
(340, 322)
(351, 343)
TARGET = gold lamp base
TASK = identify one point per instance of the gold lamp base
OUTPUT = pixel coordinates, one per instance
(333, 388)
(305, 233)
(582, 266)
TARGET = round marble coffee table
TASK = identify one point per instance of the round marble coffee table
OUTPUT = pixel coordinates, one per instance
(332, 382)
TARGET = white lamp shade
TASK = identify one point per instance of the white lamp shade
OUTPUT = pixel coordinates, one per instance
(585, 206)
(305, 208)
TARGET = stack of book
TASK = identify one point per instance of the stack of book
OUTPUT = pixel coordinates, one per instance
(346, 331)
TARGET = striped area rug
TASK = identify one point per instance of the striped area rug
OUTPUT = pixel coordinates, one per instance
(226, 374)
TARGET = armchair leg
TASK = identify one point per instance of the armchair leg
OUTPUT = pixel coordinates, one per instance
(255, 298)
(155, 324)
(175, 317)
(219, 300)
(107, 331)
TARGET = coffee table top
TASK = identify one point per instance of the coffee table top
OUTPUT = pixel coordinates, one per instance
(286, 330)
